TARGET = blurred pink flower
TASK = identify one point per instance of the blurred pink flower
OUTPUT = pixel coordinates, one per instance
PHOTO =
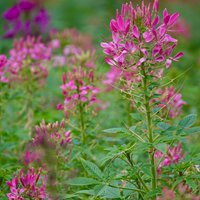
(173, 156)
(170, 102)
(52, 134)
(27, 185)
(26, 17)
(28, 54)
(78, 88)
(3, 62)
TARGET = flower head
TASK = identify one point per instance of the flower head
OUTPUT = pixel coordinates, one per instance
(139, 35)
(29, 55)
(170, 102)
(173, 156)
(26, 17)
(3, 62)
(52, 134)
(29, 185)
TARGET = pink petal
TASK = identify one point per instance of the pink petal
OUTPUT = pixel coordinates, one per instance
(156, 5)
(168, 38)
(148, 36)
(168, 63)
(120, 23)
(160, 59)
(173, 18)
(113, 25)
(156, 21)
(136, 32)
(178, 55)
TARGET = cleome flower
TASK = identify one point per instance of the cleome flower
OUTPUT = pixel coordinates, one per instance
(3, 62)
(26, 17)
(78, 88)
(170, 102)
(30, 185)
(173, 156)
(52, 134)
(139, 35)
(28, 55)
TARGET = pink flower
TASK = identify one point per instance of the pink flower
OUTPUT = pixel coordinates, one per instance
(30, 157)
(52, 134)
(3, 62)
(26, 17)
(143, 28)
(27, 185)
(173, 156)
(167, 195)
(28, 54)
(170, 102)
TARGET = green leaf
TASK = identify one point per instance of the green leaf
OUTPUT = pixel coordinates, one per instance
(163, 126)
(191, 183)
(193, 130)
(82, 181)
(109, 192)
(132, 128)
(92, 169)
(69, 196)
(136, 116)
(115, 130)
(162, 147)
(89, 192)
(188, 121)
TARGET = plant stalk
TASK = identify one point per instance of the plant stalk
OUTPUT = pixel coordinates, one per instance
(149, 128)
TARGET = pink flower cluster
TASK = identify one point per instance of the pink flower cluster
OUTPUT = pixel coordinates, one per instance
(30, 185)
(28, 55)
(77, 89)
(26, 17)
(3, 62)
(115, 75)
(52, 134)
(71, 47)
(140, 36)
(173, 156)
(184, 192)
(170, 102)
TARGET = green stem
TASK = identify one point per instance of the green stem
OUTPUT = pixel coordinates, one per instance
(30, 113)
(1, 111)
(81, 114)
(82, 122)
(149, 127)
(137, 174)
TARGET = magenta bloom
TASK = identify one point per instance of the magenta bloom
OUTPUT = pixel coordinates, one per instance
(27, 5)
(42, 20)
(170, 102)
(52, 134)
(3, 62)
(173, 156)
(139, 35)
(27, 17)
(28, 54)
(12, 13)
(28, 185)
(78, 89)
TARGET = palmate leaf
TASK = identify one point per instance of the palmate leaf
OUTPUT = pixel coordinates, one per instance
(108, 192)
(92, 169)
(187, 121)
(192, 130)
(82, 181)
(163, 126)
